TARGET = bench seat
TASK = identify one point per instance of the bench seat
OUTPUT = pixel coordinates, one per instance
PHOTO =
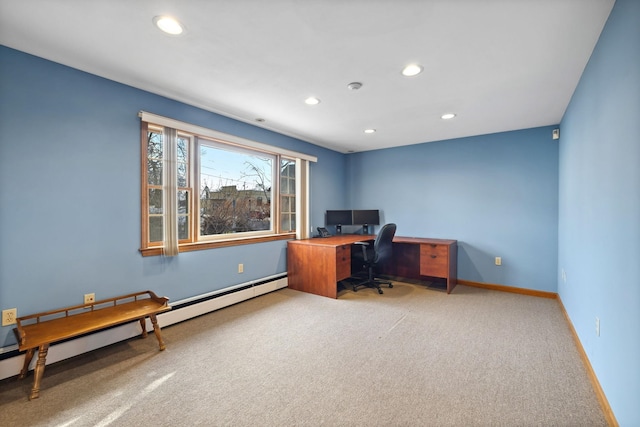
(38, 331)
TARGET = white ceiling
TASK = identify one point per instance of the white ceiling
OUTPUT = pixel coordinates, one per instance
(500, 65)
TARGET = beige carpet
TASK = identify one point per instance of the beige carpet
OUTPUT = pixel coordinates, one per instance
(411, 357)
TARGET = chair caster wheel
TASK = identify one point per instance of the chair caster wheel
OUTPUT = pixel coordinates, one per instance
(391, 285)
(380, 291)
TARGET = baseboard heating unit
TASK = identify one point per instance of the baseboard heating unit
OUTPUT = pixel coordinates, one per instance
(11, 360)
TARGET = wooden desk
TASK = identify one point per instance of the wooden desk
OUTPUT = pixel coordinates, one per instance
(420, 258)
(316, 265)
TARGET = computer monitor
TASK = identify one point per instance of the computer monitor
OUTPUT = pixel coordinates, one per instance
(366, 217)
(339, 218)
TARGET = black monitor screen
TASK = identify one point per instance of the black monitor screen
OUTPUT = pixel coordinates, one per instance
(339, 218)
(362, 217)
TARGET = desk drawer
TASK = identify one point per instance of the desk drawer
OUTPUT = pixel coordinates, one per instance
(434, 260)
(343, 262)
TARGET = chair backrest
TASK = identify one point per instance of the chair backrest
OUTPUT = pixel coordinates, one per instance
(383, 246)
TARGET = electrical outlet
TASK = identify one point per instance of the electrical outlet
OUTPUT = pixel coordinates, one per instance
(9, 316)
(89, 298)
(240, 268)
(498, 260)
(597, 326)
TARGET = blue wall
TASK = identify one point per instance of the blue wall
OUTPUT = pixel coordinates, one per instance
(70, 193)
(599, 211)
(496, 194)
(69, 199)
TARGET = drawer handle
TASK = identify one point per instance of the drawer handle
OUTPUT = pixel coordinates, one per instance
(434, 256)
(433, 245)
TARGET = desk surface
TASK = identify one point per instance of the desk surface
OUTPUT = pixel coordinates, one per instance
(337, 240)
(347, 239)
(423, 240)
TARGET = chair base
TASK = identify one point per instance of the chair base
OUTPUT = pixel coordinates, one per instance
(375, 284)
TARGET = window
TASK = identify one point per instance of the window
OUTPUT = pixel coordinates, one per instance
(232, 181)
(203, 189)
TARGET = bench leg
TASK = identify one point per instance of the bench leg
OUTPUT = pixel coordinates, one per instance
(27, 361)
(39, 371)
(156, 330)
(143, 325)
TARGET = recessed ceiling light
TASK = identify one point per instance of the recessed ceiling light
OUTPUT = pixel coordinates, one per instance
(169, 25)
(312, 100)
(354, 86)
(447, 116)
(369, 131)
(412, 70)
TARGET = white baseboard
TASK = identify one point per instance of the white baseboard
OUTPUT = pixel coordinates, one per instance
(11, 366)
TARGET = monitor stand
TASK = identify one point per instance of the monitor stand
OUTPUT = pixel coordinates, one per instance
(365, 229)
(338, 229)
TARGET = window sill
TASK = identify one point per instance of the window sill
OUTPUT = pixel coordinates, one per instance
(199, 246)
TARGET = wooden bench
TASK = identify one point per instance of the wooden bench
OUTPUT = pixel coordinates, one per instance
(39, 330)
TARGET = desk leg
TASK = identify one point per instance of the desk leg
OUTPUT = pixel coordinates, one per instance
(156, 330)
(27, 361)
(143, 325)
(39, 371)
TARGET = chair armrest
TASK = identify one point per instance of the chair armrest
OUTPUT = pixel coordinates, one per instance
(363, 245)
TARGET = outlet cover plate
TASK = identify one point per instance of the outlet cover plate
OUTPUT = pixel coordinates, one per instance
(9, 316)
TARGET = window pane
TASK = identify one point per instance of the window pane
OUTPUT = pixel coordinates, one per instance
(154, 172)
(182, 175)
(285, 223)
(155, 229)
(183, 227)
(182, 159)
(288, 222)
(155, 201)
(154, 158)
(235, 190)
(183, 202)
(154, 145)
(288, 168)
(182, 153)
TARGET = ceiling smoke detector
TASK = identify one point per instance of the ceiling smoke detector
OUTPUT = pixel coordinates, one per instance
(354, 86)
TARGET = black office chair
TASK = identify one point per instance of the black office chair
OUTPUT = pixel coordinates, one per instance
(370, 257)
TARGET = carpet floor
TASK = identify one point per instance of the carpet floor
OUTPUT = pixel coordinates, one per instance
(413, 356)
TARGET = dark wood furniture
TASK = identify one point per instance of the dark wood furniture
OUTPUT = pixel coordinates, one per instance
(422, 258)
(38, 331)
(316, 265)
